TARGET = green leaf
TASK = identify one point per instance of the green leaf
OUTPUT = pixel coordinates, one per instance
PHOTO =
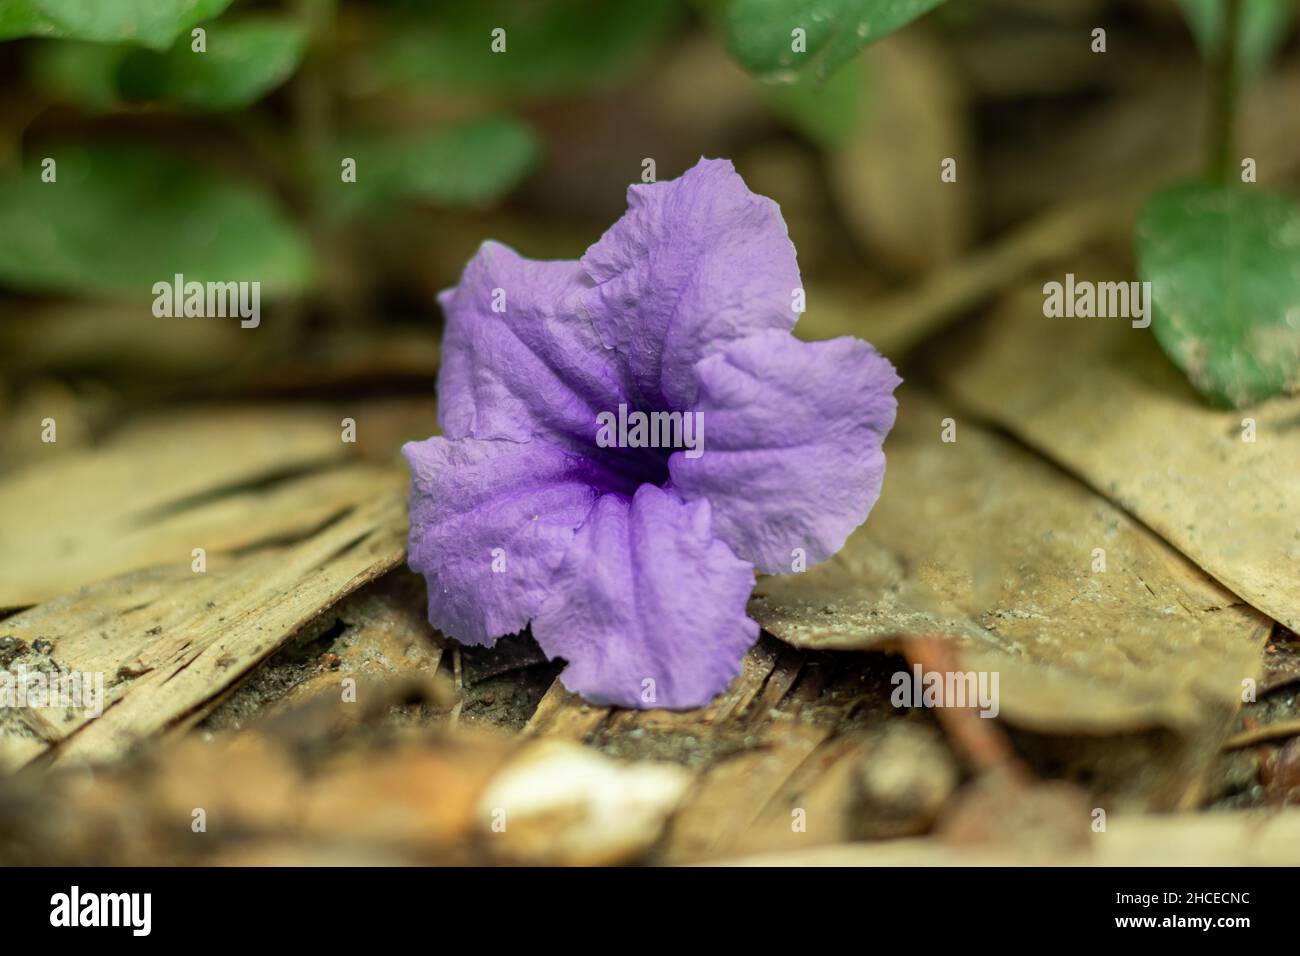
(761, 34)
(1264, 24)
(244, 60)
(117, 220)
(827, 113)
(151, 23)
(552, 47)
(1224, 268)
(80, 72)
(468, 164)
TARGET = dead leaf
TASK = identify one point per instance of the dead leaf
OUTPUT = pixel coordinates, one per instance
(887, 179)
(1107, 405)
(979, 542)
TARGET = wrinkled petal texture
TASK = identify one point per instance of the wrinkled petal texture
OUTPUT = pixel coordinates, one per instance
(792, 444)
(694, 264)
(518, 360)
(470, 498)
(649, 610)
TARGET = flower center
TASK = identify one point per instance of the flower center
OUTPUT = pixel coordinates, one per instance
(637, 444)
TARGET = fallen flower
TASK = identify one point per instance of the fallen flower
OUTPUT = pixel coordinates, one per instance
(634, 561)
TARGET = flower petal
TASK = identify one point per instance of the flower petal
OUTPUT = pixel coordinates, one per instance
(648, 594)
(471, 497)
(695, 263)
(792, 453)
(535, 369)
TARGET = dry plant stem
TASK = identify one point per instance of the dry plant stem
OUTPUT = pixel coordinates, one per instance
(911, 316)
(1247, 738)
(908, 318)
(977, 739)
(460, 696)
(1223, 96)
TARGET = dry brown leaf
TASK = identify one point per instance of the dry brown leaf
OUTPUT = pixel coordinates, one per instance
(887, 178)
(1107, 404)
(978, 541)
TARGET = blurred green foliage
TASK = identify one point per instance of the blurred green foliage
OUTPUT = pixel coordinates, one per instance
(246, 59)
(152, 23)
(343, 112)
(124, 218)
(128, 204)
(1264, 24)
(466, 163)
(550, 47)
(79, 72)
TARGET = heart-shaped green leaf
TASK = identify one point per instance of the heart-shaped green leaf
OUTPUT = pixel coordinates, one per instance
(1224, 268)
(785, 40)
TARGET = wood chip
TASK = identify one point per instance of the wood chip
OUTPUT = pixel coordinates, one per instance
(560, 802)
(161, 487)
(170, 643)
(562, 713)
(731, 795)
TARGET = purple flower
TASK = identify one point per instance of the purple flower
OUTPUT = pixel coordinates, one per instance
(635, 564)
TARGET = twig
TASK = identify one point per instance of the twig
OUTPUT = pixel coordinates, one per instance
(460, 696)
(979, 741)
(909, 317)
(1248, 738)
